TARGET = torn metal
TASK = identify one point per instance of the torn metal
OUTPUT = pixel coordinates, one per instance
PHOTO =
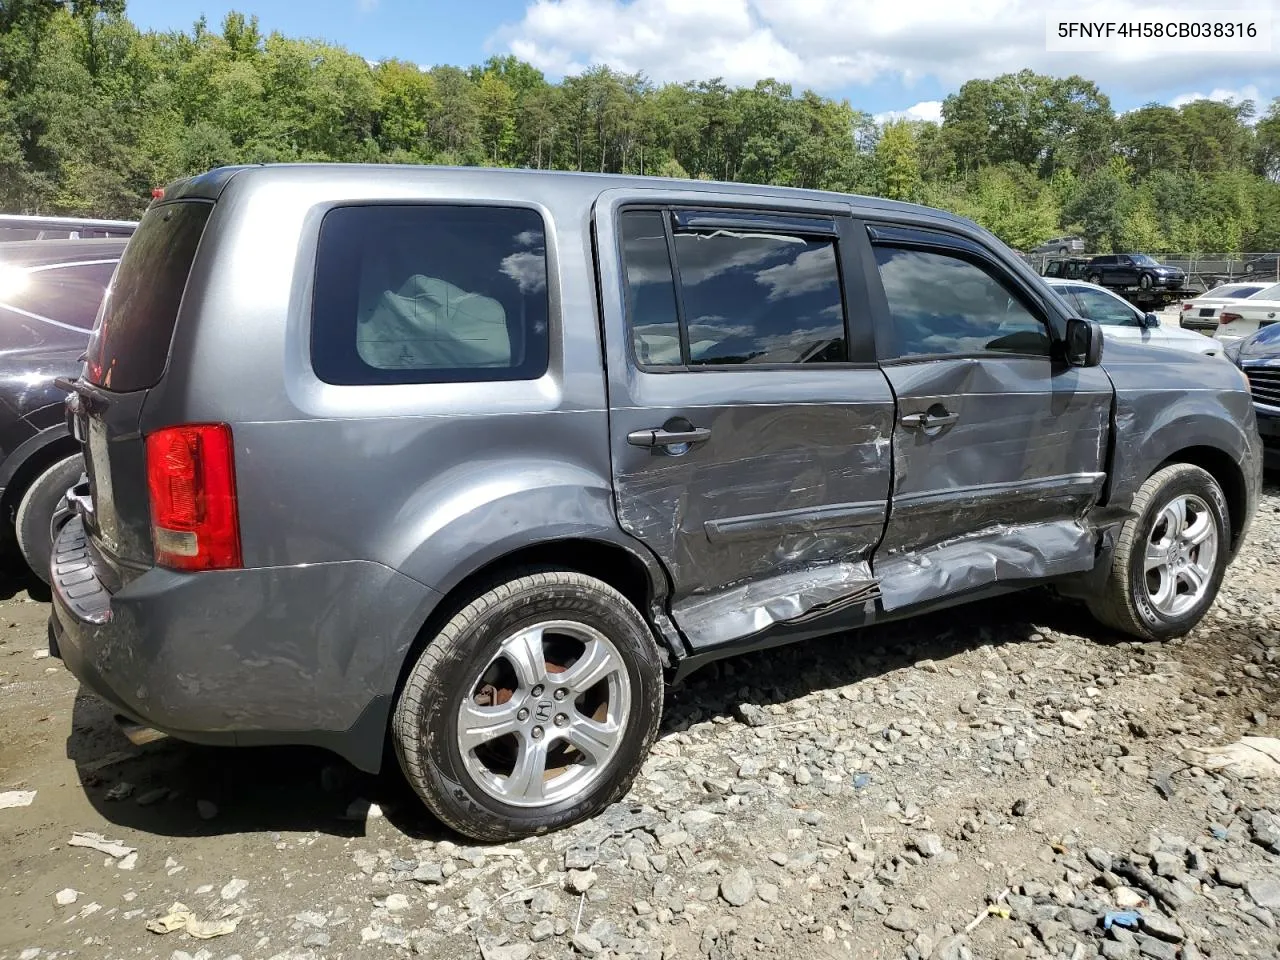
(1000, 553)
(753, 606)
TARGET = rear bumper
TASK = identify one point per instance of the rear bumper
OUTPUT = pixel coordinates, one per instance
(287, 655)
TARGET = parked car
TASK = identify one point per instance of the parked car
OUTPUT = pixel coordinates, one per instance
(1258, 355)
(1133, 270)
(1247, 317)
(476, 461)
(1201, 313)
(1119, 319)
(21, 227)
(50, 291)
(1264, 268)
(1070, 268)
(1060, 245)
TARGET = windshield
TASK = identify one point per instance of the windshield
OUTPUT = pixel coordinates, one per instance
(1146, 261)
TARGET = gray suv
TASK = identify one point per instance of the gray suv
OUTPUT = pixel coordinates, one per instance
(476, 461)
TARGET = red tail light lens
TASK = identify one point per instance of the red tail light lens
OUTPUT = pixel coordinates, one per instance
(1186, 307)
(1228, 317)
(195, 522)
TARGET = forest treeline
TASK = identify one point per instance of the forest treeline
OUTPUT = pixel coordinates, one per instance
(94, 113)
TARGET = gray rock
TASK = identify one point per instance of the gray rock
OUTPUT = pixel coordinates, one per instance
(586, 944)
(318, 939)
(1162, 927)
(544, 901)
(1157, 949)
(1230, 876)
(542, 930)
(579, 881)
(768, 892)
(429, 873)
(738, 888)
(1079, 920)
(581, 857)
(1169, 865)
(900, 919)
(1114, 950)
(1265, 892)
(512, 951)
(1099, 858)
(1265, 830)
(929, 845)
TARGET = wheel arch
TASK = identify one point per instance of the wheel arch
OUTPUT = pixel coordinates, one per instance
(1226, 470)
(28, 461)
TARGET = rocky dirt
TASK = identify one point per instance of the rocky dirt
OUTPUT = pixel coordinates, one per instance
(1006, 780)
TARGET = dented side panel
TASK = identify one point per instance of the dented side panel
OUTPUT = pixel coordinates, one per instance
(1001, 493)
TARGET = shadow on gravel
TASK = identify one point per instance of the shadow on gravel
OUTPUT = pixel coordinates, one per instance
(288, 789)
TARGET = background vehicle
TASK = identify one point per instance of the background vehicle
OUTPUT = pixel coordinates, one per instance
(1132, 270)
(478, 459)
(1258, 355)
(1247, 317)
(1265, 268)
(1071, 268)
(1201, 313)
(1061, 245)
(21, 227)
(1121, 320)
(50, 291)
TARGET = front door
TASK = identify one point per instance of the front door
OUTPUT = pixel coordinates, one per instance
(998, 448)
(749, 423)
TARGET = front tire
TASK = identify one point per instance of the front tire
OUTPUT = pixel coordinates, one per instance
(1170, 557)
(533, 708)
(1145, 281)
(35, 512)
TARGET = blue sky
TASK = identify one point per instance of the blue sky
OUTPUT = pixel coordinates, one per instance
(885, 58)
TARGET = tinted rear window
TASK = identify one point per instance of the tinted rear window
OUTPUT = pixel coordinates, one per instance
(129, 348)
(430, 294)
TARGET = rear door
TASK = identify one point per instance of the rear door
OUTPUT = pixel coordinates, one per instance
(127, 355)
(998, 447)
(749, 422)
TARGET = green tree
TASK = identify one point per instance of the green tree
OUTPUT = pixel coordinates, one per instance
(898, 162)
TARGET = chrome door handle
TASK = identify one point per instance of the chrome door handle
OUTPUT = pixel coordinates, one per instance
(926, 421)
(660, 437)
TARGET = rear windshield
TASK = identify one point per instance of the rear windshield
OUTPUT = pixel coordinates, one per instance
(130, 345)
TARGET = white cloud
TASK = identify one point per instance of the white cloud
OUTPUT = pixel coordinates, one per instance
(1248, 92)
(834, 44)
(930, 110)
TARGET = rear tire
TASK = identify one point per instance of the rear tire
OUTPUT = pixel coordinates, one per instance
(1166, 571)
(1095, 278)
(533, 708)
(35, 512)
(1145, 281)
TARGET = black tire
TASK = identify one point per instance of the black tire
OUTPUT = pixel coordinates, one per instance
(1124, 602)
(1094, 278)
(1145, 281)
(1062, 250)
(35, 512)
(425, 723)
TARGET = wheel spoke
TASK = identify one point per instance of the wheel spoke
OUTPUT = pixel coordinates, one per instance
(596, 740)
(1164, 593)
(478, 725)
(596, 663)
(1195, 576)
(525, 653)
(1199, 530)
(1155, 556)
(1175, 516)
(528, 778)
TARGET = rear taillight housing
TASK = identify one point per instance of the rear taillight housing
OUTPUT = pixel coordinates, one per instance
(1186, 307)
(195, 522)
(1228, 317)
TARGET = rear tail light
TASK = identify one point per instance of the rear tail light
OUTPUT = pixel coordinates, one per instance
(1186, 307)
(1228, 317)
(195, 523)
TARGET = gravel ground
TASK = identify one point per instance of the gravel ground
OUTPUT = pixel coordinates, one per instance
(995, 782)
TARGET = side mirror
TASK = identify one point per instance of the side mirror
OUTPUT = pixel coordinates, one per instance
(1084, 343)
(1151, 320)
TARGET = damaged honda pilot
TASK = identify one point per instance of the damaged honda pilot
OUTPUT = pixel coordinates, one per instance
(474, 462)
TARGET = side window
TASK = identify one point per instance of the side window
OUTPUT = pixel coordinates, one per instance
(651, 289)
(430, 294)
(760, 298)
(941, 304)
(66, 296)
(1103, 308)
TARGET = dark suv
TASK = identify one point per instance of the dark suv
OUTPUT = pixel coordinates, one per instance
(50, 291)
(1133, 270)
(477, 460)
